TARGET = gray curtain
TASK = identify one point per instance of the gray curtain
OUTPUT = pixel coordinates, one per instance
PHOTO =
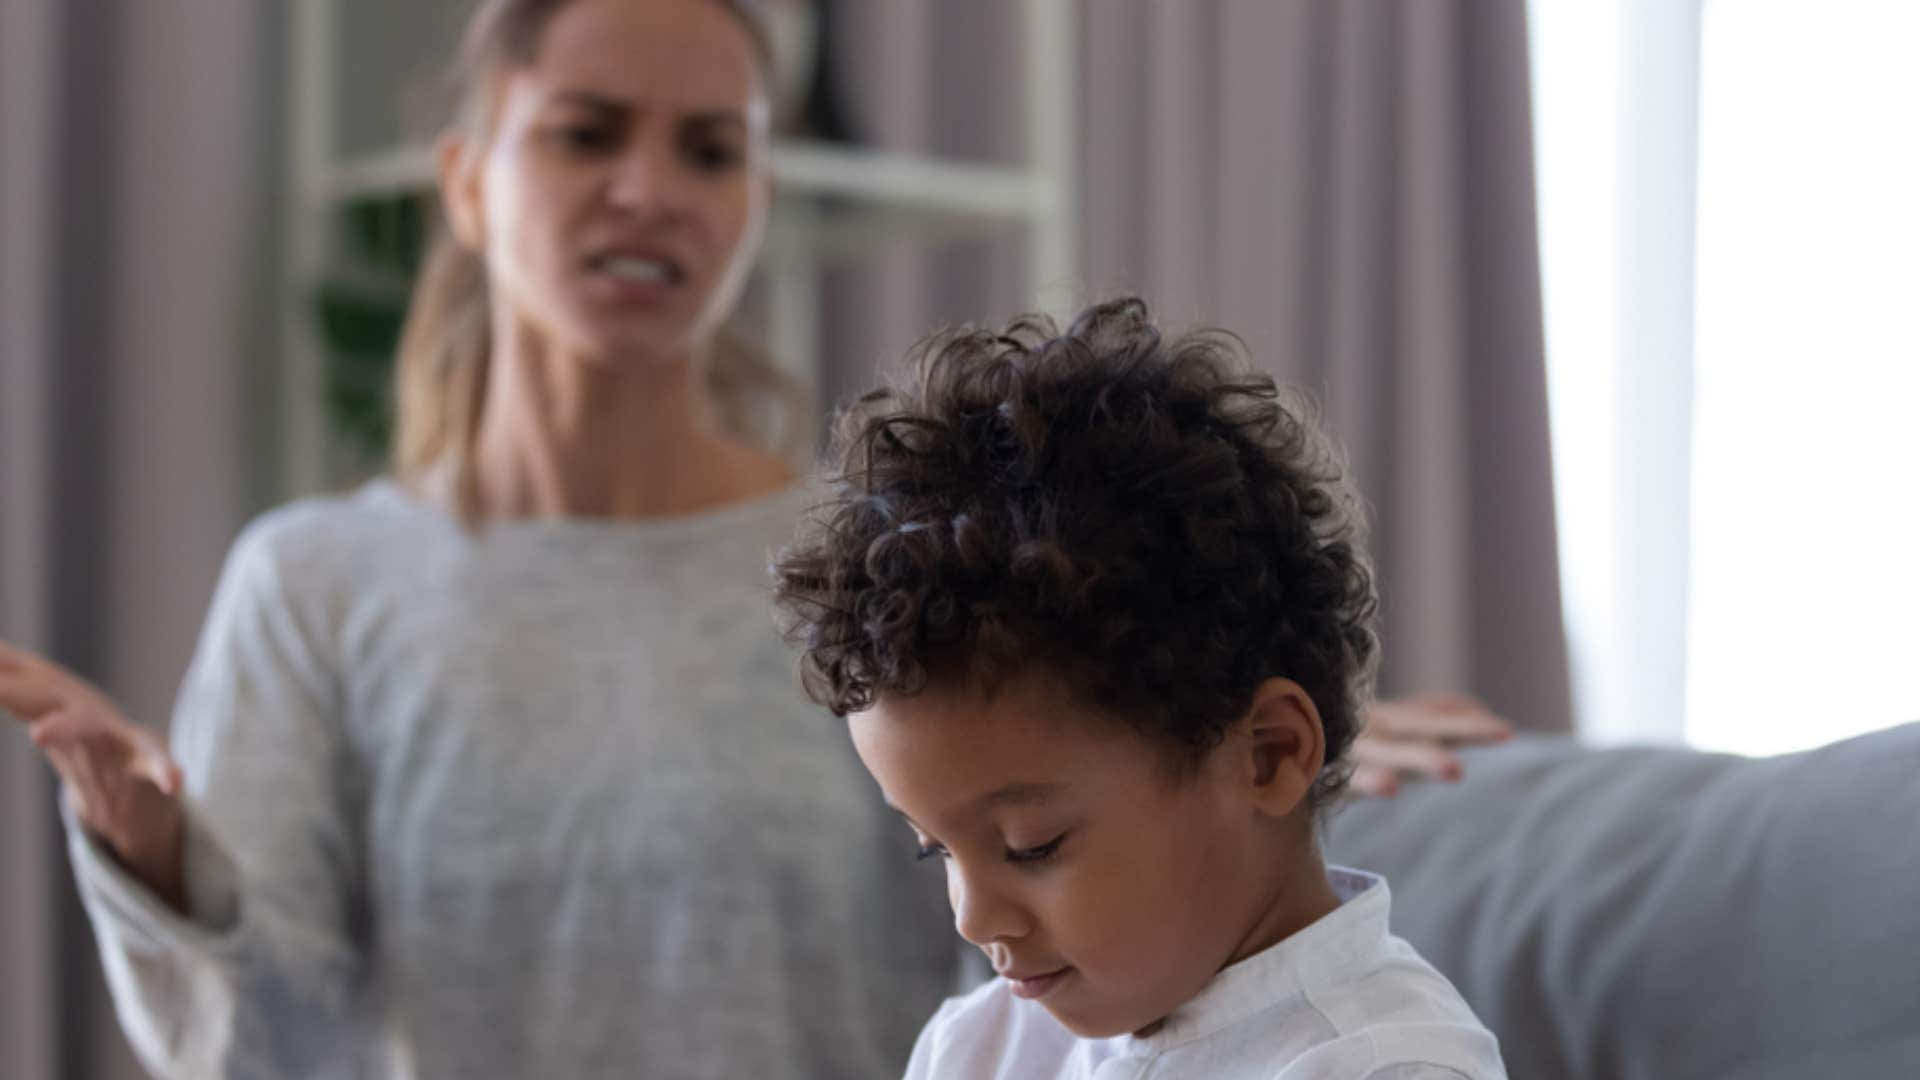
(936, 78)
(29, 953)
(1346, 183)
(137, 301)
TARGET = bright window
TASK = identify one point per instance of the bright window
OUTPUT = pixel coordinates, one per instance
(1805, 565)
(1730, 243)
(1614, 85)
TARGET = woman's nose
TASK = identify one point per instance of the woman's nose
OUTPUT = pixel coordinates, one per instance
(645, 179)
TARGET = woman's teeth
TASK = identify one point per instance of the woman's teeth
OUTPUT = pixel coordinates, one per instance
(643, 271)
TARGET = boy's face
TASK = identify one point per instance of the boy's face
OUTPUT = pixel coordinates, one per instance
(1097, 879)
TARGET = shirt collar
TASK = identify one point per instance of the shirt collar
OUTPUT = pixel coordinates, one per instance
(1286, 974)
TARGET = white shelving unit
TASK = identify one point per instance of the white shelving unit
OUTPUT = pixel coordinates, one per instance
(834, 200)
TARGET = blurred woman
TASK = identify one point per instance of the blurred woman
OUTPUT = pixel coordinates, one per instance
(497, 767)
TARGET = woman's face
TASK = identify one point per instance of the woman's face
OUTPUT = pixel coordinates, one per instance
(620, 198)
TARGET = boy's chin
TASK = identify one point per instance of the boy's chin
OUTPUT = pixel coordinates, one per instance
(1097, 1025)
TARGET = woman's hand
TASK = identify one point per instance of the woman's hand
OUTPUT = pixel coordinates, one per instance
(122, 784)
(1413, 737)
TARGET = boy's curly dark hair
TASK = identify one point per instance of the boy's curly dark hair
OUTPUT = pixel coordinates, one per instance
(1154, 523)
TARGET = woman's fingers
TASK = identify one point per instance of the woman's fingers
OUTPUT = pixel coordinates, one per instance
(1373, 782)
(1454, 719)
(52, 731)
(27, 693)
(57, 737)
(155, 763)
(1418, 758)
(1415, 737)
(101, 761)
(83, 775)
(117, 777)
(32, 686)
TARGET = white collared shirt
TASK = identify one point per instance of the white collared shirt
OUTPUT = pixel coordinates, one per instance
(1342, 999)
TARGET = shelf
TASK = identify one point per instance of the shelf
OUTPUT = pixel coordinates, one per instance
(912, 182)
(883, 179)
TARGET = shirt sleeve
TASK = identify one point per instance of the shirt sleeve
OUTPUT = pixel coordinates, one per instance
(927, 1059)
(261, 978)
(920, 1065)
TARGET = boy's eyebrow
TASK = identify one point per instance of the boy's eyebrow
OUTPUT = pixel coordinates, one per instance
(1017, 793)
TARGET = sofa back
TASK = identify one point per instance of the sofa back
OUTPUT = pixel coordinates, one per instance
(1667, 914)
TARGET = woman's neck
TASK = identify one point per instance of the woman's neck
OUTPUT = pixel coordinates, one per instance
(572, 436)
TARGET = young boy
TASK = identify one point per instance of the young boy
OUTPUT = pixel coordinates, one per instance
(1097, 609)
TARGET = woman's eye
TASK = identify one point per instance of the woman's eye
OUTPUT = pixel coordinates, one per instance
(929, 851)
(1036, 854)
(585, 137)
(714, 156)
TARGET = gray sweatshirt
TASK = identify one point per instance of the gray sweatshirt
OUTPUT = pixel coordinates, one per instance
(541, 801)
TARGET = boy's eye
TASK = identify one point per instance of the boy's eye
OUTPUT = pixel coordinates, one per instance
(1030, 855)
(1036, 854)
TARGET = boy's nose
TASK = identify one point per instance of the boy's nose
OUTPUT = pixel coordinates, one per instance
(982, 914)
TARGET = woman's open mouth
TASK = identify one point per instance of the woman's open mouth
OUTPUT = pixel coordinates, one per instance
(635, 275)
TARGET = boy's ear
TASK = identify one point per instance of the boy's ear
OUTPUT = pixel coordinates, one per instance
(1284, 746)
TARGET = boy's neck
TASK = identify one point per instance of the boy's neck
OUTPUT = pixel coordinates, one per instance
(1301, 896)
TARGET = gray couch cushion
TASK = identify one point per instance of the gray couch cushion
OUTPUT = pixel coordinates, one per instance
(1665, 914)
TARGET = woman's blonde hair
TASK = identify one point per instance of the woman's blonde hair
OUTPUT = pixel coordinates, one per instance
(446, 343)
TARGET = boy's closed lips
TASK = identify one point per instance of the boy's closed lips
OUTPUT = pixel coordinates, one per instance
(1035, 985)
